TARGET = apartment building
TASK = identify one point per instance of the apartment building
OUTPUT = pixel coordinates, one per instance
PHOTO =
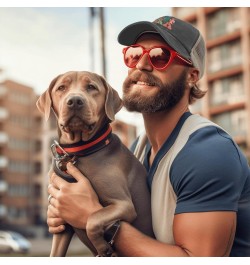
(226, 31)
(20, 155)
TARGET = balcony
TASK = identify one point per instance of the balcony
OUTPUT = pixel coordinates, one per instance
(3, 113)
(3, 211)
(3, 162)
(3, 138)
(3, 186)
(3, 91)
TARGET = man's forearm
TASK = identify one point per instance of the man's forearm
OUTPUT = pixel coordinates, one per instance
(130, 242)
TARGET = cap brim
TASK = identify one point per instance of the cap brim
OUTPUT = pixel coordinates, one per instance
(130, 34)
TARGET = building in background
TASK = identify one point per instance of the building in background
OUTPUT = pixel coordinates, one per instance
(20, 156)
(226, 31)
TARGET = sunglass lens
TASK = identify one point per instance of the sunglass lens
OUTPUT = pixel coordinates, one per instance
(159, 57)
(132, 56)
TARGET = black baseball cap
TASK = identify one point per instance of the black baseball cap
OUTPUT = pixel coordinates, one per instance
(182, 36)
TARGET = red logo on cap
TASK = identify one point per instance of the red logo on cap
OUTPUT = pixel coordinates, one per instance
(166, 22)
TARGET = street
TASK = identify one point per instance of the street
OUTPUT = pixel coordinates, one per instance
(40, 247)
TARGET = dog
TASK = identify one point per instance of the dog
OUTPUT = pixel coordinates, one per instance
(85, 105)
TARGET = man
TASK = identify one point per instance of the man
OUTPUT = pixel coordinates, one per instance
(198, 177)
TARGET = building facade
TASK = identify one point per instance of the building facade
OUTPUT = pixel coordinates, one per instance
(226, 31)
(20, 155)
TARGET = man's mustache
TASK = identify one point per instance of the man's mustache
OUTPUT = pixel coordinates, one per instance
(143, 77)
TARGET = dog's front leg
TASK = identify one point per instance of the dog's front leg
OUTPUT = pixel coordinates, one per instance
(100, 220)
(60, 242)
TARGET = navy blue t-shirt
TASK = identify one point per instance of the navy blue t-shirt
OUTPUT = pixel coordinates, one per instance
(210, 173)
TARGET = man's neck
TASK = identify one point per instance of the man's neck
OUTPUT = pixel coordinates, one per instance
(160, 125)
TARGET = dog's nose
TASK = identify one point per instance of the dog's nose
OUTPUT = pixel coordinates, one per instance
(75, 102)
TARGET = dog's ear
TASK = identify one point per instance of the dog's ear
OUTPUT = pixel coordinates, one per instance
(44, 102)
(113, 102)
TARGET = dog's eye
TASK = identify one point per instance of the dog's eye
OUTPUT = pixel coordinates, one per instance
(61, 88)
(91, 87)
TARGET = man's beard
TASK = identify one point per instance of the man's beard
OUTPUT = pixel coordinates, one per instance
(167, 97)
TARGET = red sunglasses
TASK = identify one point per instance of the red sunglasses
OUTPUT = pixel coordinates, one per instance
(160, 57)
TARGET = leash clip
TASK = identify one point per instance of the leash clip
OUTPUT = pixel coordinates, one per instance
(56, 156)
(62, 160)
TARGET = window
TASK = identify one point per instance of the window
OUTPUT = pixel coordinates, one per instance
(16, 213)
(37, 168)
(19, 144)
(233, 122)
(225, 20)
(21, 167)
(21, 121)
(18, 190)
(224, 56)
(185, 11)
(227, 91)
(20, 98)
(37, 190)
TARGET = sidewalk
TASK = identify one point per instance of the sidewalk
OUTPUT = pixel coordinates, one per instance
(40, 247)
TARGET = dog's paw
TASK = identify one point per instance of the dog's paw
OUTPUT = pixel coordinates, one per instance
(107, 252)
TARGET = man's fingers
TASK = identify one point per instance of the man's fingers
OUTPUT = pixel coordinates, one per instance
(56, 230)
(55, 223)
(74, 172)
(53, 192)
(57, 181)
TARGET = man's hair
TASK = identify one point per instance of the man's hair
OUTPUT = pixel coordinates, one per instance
(196, 93)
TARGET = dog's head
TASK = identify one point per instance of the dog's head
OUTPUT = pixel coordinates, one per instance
(82, 102)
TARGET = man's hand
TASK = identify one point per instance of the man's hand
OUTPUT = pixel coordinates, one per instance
(70, 203)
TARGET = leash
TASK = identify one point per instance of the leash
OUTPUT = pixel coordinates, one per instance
(64, 153)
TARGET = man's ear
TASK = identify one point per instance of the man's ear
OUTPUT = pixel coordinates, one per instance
(44, 102)
(113, 102)
(192, 76)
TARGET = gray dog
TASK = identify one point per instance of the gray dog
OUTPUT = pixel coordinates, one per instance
(85, 104)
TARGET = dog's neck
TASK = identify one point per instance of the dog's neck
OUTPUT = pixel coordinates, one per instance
(83, 148)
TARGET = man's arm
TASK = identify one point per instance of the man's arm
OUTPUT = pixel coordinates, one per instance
(195, 234)
(207, 234)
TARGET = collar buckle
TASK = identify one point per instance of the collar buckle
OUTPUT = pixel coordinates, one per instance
(61, 160)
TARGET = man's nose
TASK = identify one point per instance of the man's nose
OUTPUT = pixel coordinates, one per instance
(144, 63)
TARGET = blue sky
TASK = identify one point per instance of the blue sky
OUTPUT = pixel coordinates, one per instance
(39, 43)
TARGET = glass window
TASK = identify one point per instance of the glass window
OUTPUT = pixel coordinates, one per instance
(225, 56)
(184, 11)
(225, 20)
(18, 190)
(227, 91)
(233, 122)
